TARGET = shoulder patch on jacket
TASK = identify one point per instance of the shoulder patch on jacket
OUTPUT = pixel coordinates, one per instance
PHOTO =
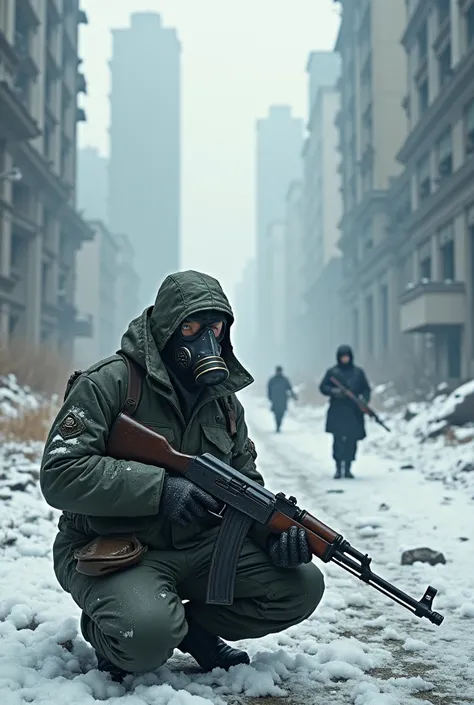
(71, 426)
(250, 448)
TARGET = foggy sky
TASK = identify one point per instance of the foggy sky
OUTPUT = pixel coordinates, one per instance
(237, 59)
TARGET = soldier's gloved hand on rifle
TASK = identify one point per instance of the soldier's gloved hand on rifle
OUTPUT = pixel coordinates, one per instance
(337, 393)
(290, 549)
(183, 502)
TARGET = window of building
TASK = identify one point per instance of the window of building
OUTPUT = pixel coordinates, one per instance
(444, 150)
(369, 310)
(470, 227)
(384, 313)
(17, 253)
(406, 272)
(422, 42)
(355, 328)
(48, 140)
(367, 237)
(423, 96)
(446, 247)
(367, 129)
(453, 345)
(22, 88)
(65, 161)
(45, 281)
(444, 65)
(469, 128)
(424, 177)
(470, 27)
(425, 269)
(425, 261)
(12, 324)
(368, 178)
(447, 261)
(444, 10)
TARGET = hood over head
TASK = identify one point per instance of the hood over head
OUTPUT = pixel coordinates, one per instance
(344, 350)
(180, 296)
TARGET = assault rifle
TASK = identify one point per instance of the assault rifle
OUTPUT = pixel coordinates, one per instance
(244, 502)
(365, 408)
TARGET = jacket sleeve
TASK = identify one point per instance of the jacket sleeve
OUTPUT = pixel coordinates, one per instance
(326, 387)
(244, 454)
(365, 386)
(76, 475)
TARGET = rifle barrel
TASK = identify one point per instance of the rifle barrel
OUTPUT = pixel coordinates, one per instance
(360, 567)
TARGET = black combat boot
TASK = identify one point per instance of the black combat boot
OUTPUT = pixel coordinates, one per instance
(338, 474)
(106, 666)
(209, 650)
(347, 471)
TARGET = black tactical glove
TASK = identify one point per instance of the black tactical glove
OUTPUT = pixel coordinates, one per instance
(183, 502)
(290, 549)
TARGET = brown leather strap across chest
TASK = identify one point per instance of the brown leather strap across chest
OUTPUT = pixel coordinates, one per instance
(134, 386)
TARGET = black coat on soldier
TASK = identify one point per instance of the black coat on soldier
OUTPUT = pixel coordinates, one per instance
(344, 417)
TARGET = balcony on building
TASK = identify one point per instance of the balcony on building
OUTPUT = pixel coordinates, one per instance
(82, 17)
(16, 123)
(81, 115)
(429, 306)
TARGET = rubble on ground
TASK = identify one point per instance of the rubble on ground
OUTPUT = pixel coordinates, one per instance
(422, 555)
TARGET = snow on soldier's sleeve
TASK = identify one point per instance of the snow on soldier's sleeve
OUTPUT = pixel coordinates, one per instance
(76, 474)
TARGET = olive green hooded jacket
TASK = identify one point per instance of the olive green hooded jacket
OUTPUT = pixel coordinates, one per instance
(102, 496)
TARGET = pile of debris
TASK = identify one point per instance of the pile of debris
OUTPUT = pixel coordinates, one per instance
(449, 415)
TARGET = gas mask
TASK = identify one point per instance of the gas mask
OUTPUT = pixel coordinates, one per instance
(196, 358)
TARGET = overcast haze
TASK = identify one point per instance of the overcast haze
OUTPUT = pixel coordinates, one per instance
(237, 59)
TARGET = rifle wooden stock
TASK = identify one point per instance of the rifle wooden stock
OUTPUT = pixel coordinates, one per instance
(131, 440)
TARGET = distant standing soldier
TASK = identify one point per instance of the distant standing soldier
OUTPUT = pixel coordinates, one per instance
(279, 389)
(344, 419)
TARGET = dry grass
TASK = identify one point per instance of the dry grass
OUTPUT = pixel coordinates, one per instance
(43, 370)
(29, 425)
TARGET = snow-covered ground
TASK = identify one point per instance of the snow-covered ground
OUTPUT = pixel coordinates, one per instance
(358, 648)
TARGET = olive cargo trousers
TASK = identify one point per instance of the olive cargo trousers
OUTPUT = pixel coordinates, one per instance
(135, 618)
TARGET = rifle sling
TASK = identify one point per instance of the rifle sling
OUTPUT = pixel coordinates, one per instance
(225, 556)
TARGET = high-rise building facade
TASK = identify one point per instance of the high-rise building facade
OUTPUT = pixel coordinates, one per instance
(432, 202)
(275, 321)
(372, 125)
(294, 308)
(92, 184)
(96, 291)
(319, 279)
(127, 286)
(145, 146)
(40, 230)
(279, 141)
(245, 336)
